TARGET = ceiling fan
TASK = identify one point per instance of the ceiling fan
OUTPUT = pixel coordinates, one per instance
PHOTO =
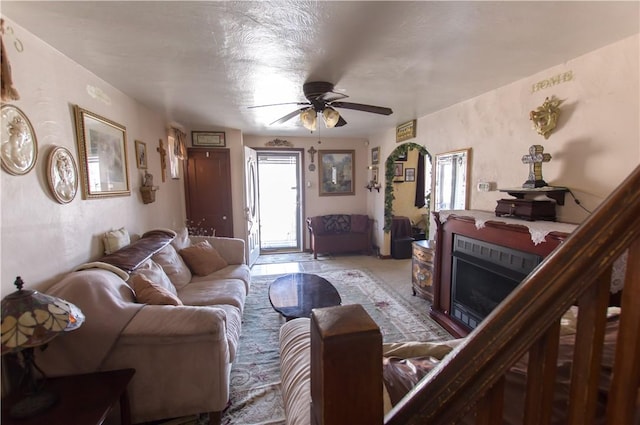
(322, 99)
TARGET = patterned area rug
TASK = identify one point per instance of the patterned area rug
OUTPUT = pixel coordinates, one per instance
(255, 376)
(294, 257)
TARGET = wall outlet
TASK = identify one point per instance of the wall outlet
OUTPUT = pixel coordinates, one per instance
(486, 186)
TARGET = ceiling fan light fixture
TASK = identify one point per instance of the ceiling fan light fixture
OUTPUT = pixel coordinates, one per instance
(309, 120)
(331, 117)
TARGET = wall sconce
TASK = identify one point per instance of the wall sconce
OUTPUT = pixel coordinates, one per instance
(373, 185)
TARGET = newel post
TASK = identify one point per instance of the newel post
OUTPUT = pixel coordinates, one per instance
(346, 367)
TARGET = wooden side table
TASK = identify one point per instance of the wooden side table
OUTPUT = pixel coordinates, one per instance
(422, 268)
(82, 399)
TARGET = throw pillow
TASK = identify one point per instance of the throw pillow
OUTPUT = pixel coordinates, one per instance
(181, 240)
(173, 265)
(152, 271)
(148, 292)
(202, 258)
(115, 239)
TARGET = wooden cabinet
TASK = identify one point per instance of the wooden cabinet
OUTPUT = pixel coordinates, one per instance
(208, 190)
(422, 257)
(485, 227)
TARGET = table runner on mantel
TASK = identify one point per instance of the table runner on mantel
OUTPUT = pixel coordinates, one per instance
(537, 229)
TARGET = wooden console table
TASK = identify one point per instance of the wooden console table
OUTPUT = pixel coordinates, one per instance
(515, 234)
(83, 400)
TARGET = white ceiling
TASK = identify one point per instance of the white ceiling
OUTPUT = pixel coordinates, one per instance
(203, 63)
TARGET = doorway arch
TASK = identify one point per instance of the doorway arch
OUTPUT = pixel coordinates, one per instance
(398, 152)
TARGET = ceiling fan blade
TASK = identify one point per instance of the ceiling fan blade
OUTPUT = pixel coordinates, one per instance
(332, 96)
(279, 104)
(288, 116)
(360, 107)
(341, 122)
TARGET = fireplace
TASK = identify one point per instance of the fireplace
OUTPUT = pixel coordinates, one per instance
(483, 274)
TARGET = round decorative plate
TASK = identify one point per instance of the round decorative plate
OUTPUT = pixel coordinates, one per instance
(18, 145)
(62, 175)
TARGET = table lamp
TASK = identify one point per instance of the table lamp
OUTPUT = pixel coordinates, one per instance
(32, 319)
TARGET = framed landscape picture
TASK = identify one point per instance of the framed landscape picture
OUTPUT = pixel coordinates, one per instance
(335, 172)
(102, 151)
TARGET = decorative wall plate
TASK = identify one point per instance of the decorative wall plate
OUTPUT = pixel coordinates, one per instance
(18, 144)
(62, 175)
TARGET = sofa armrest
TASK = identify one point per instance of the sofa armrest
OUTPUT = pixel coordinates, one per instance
(182, 361)
(231, 249)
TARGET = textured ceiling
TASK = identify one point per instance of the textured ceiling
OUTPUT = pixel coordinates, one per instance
(203, 63)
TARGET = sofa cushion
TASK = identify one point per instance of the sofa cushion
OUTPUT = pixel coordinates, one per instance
(214, 292)
(295, 370)
(202, 258)
(337, 223)
(113, 240)
(359, 223)
(232, 271)
(148, 292)
(173, 265)
(152, 271)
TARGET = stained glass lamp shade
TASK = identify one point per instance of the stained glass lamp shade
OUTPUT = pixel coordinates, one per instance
(32, 319)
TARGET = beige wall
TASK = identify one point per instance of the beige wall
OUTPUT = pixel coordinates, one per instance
(595, 146)
(42, 239)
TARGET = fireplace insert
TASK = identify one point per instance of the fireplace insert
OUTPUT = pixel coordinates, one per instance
(483, 274)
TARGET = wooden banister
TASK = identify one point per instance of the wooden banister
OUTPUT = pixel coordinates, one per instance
(579, 270)
(346, 367)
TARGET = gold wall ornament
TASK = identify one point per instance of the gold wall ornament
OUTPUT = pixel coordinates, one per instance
(545, 117)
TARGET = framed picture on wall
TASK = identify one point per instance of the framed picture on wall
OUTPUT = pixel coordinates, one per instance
(409, 174)
(141, 154)
(102, 151)
(335, 172)
(398, 170)
(208, 139)
(375, 156)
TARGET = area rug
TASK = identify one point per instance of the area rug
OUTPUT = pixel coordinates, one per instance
(293, 257)
(255, 375)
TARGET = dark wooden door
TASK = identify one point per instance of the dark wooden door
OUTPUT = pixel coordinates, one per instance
(208, 190)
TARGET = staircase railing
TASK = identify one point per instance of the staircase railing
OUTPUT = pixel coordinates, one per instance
(578, 272)
(472, 376)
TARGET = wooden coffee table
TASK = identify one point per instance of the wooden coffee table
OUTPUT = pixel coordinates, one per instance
(295, 295)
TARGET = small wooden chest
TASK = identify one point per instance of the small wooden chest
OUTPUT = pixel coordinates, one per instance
(528, 209)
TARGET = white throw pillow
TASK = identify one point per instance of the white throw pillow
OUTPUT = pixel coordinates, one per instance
(173, 265)
(181, 240)
(115, 239)
(152, 271)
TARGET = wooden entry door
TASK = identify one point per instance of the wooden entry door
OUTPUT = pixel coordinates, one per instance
(208, 190)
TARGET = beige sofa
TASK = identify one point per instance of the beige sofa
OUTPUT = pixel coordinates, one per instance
(182, 354)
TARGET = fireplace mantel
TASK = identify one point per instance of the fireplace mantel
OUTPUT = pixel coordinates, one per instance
(537, 237)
